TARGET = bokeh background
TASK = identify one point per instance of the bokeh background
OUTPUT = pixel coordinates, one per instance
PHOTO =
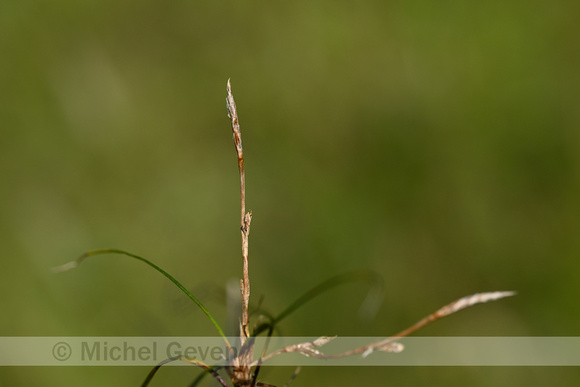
(434, 142)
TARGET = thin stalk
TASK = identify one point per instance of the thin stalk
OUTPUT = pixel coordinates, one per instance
(246, 217)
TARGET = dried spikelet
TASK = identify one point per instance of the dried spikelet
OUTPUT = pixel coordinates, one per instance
(390, 344)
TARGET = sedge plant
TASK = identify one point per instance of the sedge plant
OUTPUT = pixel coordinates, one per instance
(243, 365)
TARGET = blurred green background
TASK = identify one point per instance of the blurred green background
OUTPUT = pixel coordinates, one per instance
(434, 142)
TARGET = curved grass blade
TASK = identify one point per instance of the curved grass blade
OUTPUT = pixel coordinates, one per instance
(454, 307)
(76, 262)
(341, 279)
(207, 370)
(156, 368)
(391, 345)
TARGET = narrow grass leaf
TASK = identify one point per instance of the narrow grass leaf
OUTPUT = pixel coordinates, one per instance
(75, 263)
(367, 276)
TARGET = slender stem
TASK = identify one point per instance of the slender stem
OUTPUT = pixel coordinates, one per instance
(246, 217)
(233, 114)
